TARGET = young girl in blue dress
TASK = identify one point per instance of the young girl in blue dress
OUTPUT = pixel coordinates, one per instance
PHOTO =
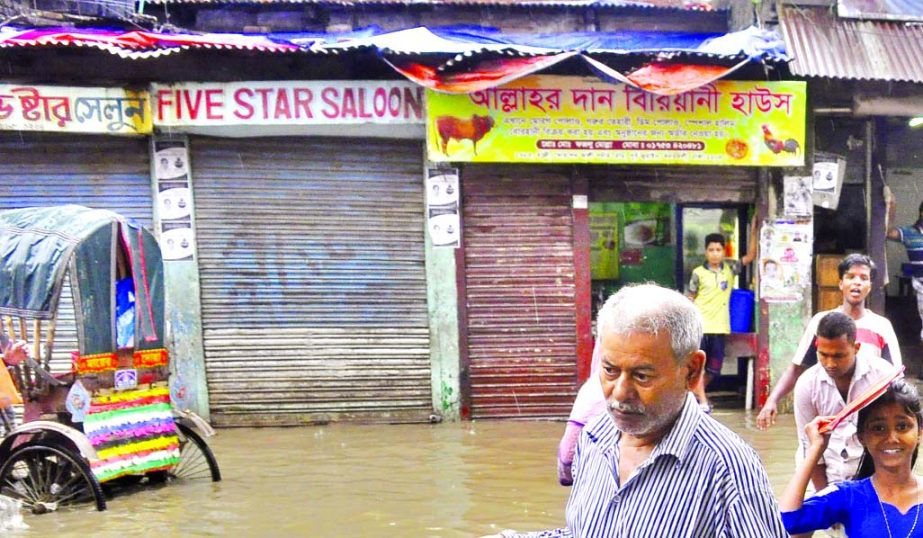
(884, 500)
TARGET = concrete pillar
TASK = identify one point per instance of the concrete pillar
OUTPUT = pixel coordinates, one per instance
(183, 295)
(442, 300)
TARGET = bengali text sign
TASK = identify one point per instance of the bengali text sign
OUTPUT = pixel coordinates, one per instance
(555, 119)
(74, 109)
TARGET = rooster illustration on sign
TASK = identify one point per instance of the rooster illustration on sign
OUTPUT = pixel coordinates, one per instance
(451, 128)
(777, 145)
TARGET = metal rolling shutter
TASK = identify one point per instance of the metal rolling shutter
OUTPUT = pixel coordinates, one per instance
(519, 283)
(105, 172)
(311, 256)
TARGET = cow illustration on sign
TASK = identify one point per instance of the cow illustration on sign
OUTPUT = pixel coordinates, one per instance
(474, 129)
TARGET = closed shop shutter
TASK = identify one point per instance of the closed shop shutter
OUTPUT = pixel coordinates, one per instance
(311, 259)
(98, 171)
(520, 292)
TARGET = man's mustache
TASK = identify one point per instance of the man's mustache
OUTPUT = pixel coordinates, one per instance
(625, 407)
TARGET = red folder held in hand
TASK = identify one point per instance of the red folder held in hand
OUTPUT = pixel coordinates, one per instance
(876, 390)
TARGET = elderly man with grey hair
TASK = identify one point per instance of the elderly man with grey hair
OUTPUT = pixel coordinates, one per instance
(655, 465)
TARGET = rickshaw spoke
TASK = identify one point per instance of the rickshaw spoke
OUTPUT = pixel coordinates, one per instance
(35, 473)
(192, 462)
(20, 490)
(192, 465)
(74, 482)
(29, 491)
(52, 469)
(45, 477)
(38, 474)
(197, 462)
(63, 471)
(79, 493)
(52, 472)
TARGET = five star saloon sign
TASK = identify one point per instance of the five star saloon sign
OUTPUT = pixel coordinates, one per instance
(121, 111)
(287, 103)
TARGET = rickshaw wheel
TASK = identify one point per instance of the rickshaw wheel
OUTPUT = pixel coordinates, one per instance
(196, 459)
(45, 477)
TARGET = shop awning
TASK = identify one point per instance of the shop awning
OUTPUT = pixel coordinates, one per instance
(462, 59)
(824, 45)
(467, 59)
(137, 44)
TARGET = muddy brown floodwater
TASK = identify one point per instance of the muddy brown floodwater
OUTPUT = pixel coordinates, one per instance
(444, 480)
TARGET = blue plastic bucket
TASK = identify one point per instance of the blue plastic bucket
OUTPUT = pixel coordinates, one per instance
(741, 307)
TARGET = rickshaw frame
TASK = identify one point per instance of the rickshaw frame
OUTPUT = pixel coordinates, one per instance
(96, 251)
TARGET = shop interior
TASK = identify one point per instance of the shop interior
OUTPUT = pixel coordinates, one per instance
(633, 242)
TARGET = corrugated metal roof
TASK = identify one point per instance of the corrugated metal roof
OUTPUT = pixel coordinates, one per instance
(830, 47)
(896, 10)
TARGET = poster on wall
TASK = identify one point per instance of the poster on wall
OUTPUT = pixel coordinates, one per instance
(604, 241)
(828, 173)
(644, 225)
(786, 254)
(797, 193)
(559, 119)
(174, 199)
(442, 218)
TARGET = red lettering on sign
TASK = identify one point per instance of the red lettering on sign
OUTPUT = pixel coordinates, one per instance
(192, 104)
(413, 102)
(395, 102)
(380, 102)
(330, 96)
(282, 108)
(303, 97)
(163, 100)
(264, 97)
(214, 103)
(244, 109)
(363, 113)
(349, 104)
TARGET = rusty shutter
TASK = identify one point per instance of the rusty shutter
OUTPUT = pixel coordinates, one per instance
(520, 294)
(311, 256)
(98, 171)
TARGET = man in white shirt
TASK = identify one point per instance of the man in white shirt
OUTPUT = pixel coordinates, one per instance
(873, 332)
(825, 388)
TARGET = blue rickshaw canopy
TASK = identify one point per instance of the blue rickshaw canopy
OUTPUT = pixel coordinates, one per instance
(41, 246)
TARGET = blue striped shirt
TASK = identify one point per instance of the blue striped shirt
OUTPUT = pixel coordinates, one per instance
(912, 238)
(701, 480)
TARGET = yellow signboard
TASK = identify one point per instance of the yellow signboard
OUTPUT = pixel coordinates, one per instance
(74, 109)
(556, 119)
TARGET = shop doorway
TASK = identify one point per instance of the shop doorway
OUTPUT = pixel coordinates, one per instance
(695, 222)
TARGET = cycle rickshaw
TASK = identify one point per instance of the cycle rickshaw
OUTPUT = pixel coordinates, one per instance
(85, 288)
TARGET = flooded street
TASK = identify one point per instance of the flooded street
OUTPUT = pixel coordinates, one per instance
(444, 480)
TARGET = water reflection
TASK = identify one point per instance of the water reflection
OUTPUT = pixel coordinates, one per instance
(446, 480)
